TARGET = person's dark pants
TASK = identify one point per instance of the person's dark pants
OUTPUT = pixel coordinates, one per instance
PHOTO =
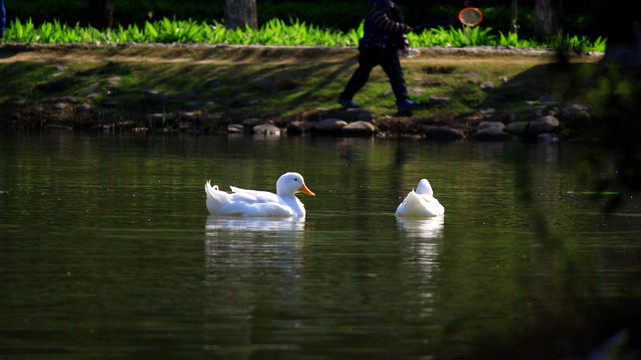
(368, 58)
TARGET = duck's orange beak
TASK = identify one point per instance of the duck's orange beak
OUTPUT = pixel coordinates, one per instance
(306, 191)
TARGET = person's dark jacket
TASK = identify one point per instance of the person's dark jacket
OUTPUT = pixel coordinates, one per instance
(384, 26)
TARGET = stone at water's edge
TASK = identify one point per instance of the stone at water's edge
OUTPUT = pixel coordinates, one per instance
(235, 129)
(517, 128)
(443, 134)
(359, 128)
(491, 124)
(266, 129)
(251, 122)
(330, 125)
(491, 131)
(544, 124)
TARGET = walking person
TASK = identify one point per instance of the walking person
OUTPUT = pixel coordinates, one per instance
(3, 18)
(384, 35)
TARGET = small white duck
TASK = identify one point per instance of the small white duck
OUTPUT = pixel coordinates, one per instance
(420, 203)
(243, 202)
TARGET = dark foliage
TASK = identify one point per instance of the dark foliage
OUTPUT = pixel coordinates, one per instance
(579, 17)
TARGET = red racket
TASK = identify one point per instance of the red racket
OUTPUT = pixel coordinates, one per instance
(469, 16)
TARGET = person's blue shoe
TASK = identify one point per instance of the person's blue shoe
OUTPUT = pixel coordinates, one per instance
(348, 103)
(407, 105)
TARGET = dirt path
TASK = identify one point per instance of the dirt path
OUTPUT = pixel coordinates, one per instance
(220, 54)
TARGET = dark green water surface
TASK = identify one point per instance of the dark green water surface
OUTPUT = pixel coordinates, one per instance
(107, 252)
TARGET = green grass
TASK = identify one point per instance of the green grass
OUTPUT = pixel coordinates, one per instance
(274, 32)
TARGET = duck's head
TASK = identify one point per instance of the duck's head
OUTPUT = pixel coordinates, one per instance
(291, 183)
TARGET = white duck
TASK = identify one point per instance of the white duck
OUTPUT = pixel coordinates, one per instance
(420, 203)
(260, 203)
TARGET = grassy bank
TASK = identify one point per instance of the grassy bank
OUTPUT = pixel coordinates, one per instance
(203, 88)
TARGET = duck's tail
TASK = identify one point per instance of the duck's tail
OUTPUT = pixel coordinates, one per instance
(418, 205)
(215, 198)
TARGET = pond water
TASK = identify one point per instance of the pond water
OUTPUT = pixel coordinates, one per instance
(107, 251)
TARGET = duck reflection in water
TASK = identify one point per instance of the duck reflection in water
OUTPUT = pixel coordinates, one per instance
(243, 256)
(427, 228)
(255, 226)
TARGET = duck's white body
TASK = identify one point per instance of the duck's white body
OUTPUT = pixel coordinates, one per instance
(243, 202)
(420, 203)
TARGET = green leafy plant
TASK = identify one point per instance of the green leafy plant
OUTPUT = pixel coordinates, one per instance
(275, 32)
